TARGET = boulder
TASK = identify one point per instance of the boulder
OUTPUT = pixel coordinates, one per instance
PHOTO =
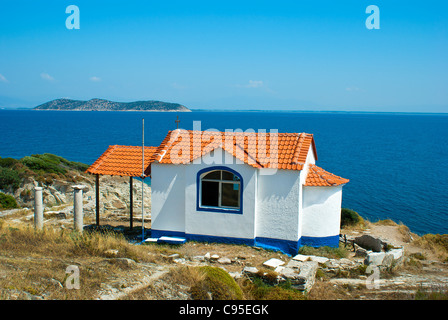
(370, 243)
(375, 258)
(294, 277)
(308, 273)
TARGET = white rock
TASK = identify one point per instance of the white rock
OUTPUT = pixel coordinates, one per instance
(397, 253)
(301, 257)
(251, 270)
(375, 258)
(224, 260)
(321, 260)
(279, 269)
(273, 263)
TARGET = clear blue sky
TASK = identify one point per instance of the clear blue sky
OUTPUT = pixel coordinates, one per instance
(301, 55)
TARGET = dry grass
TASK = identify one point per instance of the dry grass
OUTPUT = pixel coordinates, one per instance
(435, 243)
(35, 262)
(386, 222)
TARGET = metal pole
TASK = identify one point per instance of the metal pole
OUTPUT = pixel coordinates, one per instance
(143, 177)
(131, 200)
(97, 194)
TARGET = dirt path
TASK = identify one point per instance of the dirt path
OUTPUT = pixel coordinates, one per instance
(133, 282)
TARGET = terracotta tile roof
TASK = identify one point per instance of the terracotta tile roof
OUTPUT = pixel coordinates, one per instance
(123, 161)
(269, 150)
(318, 177)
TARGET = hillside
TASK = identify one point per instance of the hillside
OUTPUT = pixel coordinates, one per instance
(106, 105)
(33, 264)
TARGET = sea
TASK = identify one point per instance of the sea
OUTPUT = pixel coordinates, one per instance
(397, 163)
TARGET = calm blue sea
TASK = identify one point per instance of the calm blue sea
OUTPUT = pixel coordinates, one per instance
(397, 163)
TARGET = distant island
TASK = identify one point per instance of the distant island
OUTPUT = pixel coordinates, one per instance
(106, 105)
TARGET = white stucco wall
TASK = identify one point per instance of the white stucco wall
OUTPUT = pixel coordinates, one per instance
(221, 224)
(310, 159)
(168, 197)
(321, 211)
(278, 205)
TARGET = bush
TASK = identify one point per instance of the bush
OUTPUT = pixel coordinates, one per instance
(9, 178)
(7, 201)
(258, 289)
(349, 217)
(35, 162)
(219, 283)
(8, 162)
(50, 163)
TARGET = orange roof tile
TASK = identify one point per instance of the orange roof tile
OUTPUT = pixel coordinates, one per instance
(318, 177)
(260, 150)
(123, 161)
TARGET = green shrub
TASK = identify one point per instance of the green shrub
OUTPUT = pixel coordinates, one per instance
(8, 162)
(349, 217)
(50, 163)
(7, 201)
(9, 178)
(78, 166)
(258, 289)
(219, 283)
(35, 162)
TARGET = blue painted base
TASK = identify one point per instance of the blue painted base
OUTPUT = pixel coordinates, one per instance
(285, 246)
(332, 241)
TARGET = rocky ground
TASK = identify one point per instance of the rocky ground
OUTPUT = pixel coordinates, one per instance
(114, 198)
(399, 269)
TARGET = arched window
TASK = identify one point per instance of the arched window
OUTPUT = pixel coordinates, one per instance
(220, 189)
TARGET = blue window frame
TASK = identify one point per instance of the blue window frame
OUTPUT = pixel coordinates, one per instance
(219, 189)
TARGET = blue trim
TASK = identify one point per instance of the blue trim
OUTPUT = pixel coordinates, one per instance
(201, 237)
(214, 209)
(331, 241)
(285, 246)
(167, 233)
(212, 239)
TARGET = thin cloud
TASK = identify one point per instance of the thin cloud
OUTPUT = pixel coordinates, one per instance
(46, 76)
(354, 89)
(95, 79)
(252, 84)
(3, 79)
